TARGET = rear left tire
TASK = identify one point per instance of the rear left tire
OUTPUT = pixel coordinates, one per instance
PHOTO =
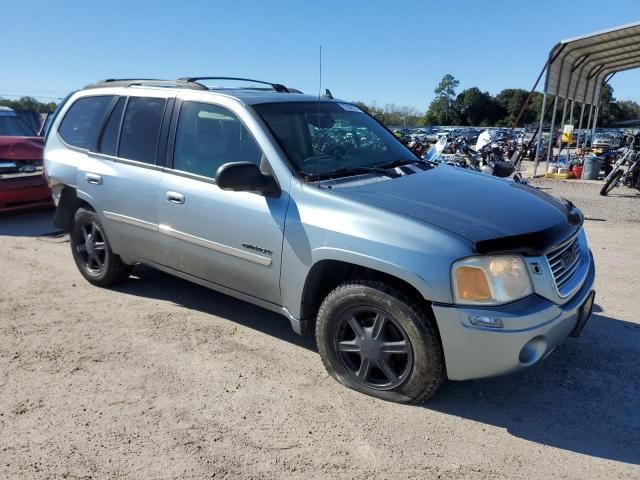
(92, 253)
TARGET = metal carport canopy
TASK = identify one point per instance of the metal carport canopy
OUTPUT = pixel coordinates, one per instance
(578, 66)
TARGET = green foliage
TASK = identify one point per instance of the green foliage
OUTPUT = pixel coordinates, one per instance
(442, 110)
(28, 103)
(392, 114)
(628, 110)
(612, 111)
(474, 107)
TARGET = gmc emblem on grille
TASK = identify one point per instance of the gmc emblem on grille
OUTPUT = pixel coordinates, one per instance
(569, 257)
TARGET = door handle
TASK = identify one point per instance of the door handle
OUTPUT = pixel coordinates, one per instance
(93, 179)
(175, 197)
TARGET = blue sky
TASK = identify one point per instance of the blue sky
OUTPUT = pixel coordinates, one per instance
(373, 50)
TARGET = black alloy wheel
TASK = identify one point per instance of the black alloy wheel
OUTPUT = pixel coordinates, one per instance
(374, 338)
(92, 252)
(373, 347)
(90, 247)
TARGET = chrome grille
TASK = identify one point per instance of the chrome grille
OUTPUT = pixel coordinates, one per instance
(564, 263)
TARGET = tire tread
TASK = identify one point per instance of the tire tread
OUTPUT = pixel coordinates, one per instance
(430, 383)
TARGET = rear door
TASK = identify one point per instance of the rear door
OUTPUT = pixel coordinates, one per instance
(233, 239)
(121, 172)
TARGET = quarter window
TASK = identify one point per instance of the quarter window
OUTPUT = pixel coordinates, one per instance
(82, 123)
(109, 141)
(208, 136)
(141, 129)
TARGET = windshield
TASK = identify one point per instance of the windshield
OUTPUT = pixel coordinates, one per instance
(14, 127)
(321, 138)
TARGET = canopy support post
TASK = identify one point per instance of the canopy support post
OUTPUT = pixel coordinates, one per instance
(586, 130)
(553, 122)
(539, 140)
(580, 126)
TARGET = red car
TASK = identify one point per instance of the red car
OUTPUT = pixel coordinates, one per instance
(22, 182)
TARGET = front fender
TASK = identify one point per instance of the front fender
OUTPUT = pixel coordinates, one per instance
(321, 226)
(379, 264)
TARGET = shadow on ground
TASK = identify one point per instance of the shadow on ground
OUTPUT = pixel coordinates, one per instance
(35, 223)
(150, 283)
(584, 398)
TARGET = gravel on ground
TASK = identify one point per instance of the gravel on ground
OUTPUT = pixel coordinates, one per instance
(159, 378)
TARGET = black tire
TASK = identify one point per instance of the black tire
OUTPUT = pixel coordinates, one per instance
(92, 253)
(611, 183)
(419, 370)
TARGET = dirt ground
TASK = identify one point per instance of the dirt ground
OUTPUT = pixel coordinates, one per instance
(159, 378)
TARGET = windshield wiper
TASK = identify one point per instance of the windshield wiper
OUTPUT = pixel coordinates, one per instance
(347, 171)
(400, 163)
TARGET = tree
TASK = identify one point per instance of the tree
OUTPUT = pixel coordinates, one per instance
(441, 108)
(628, 110)
(512, 100)
(392, 114)
(475, 107)
(609, 111)
(28, 103)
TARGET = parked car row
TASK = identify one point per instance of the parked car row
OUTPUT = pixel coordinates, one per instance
(22, 183)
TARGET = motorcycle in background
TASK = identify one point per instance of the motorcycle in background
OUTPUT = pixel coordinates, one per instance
(618, 176)
(487, 157)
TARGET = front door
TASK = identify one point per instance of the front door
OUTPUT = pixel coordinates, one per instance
(233, 239)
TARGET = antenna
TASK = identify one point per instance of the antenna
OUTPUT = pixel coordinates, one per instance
(320, 71)
(319, 100)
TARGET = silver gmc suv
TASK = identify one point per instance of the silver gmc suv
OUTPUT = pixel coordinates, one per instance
(408, 272)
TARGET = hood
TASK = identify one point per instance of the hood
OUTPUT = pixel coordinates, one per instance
(21, 148)
(496, 215)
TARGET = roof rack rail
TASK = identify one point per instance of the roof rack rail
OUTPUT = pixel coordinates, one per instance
(148, 82)
(278, 87)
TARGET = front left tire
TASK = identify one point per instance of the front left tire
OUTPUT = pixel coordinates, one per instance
(375, 339)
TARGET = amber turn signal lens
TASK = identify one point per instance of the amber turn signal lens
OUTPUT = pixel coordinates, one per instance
(472, 284)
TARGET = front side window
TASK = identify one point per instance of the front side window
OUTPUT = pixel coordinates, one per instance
(208, 136)
(323, 138)
(141, 129)
(81, 124)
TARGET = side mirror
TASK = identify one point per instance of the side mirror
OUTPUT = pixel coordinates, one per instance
(246, 177)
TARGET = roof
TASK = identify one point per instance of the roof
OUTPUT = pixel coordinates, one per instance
(579, 66)
(254, 97)
(269, 93)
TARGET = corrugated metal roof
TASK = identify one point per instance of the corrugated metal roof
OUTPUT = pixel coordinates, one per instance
(578, 66)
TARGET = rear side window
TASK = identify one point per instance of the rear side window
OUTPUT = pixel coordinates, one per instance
(109, 141)
(208, 136)
(81, 125)
(141, 129)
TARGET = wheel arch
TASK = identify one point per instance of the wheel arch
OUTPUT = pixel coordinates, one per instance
(327, 274)
(68, 204)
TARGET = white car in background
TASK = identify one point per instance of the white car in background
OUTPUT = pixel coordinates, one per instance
(606, 141)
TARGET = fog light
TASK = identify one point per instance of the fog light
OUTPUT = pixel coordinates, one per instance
(485, 321)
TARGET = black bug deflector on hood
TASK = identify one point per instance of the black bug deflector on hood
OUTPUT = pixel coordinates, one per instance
(495, 215)
(535, 243)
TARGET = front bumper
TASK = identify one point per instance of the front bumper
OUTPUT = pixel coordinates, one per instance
(22, 192)
(533, 328)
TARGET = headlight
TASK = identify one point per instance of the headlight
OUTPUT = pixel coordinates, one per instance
(490, 280)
